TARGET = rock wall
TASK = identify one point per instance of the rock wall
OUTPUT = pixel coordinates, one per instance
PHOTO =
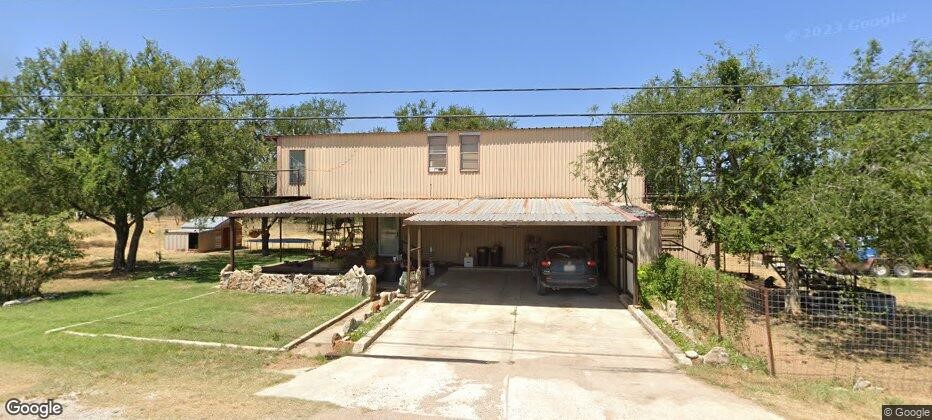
(354, 283)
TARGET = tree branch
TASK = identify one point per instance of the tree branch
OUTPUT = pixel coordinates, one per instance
(94, 216)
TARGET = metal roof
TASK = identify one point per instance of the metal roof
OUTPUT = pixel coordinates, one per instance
(475, 211)
(201, 224)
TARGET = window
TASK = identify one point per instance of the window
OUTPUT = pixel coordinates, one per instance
(672, 230)
(469, 153)
(436, 153)
(296, 164)
(661, 189)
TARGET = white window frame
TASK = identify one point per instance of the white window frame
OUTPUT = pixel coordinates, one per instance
(462, 153)
(430, 154)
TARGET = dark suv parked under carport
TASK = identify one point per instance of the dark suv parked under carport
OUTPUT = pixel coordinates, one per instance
(566, 267)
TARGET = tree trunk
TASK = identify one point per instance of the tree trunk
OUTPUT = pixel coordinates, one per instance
(792, 286)
(718, 254)
(134, 243)
(265, 236)
(121, 229)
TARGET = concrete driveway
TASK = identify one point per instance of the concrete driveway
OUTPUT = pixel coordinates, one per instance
(484, 345)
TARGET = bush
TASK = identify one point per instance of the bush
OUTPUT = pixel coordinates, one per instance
(33, 249)
(695, 291)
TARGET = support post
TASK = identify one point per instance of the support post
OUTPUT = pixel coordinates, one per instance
(623, 239)
(281, 249)
(232, 243)
(620, 261)
(634, 256)
(408, 255)
(420, 268)
(770, 362)
(718, 305)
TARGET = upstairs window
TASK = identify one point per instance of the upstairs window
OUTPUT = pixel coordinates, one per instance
(469, 153)
(436, 153)
(297, 167)
(672, 230)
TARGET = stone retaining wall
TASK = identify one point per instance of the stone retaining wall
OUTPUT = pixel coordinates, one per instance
(354, 283)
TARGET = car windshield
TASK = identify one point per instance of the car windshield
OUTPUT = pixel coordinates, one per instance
(567, 252)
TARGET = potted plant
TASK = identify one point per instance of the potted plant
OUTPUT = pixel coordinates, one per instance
(370, 250)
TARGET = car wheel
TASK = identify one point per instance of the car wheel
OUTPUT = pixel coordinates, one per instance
(903, 270)
(541, 289)
(880, 270)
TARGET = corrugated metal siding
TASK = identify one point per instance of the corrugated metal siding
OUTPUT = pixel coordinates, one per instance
(176, 241)
(691, 239)
(513, 163)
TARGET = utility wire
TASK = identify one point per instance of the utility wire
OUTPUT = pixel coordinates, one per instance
(476, 90)
(471, 116)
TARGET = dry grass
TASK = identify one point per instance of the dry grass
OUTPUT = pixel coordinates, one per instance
(797, 398)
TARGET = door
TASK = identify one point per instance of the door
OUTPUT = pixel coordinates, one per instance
(389, 234)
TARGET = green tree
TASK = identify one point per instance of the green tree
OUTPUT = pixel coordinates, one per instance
(875, 188)
(118, 171)
(717, 169)
(445, 121)
(413, 117)
(330, 108)
(258, 184)
(33, 249)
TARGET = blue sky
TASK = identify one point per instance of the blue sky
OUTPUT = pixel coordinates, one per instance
(407, 44)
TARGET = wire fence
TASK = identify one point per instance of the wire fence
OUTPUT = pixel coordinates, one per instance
(841, 333)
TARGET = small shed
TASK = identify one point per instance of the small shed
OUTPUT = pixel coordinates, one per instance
(204, 234)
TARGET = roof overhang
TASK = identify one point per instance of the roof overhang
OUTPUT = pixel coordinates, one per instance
(475, 211)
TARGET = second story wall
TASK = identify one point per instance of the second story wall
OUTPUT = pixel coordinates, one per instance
(513, 163)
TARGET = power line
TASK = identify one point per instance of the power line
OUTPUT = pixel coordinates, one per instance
(471, 116)
(475, 90)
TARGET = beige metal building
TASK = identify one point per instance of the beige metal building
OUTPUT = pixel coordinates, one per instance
(464, 190)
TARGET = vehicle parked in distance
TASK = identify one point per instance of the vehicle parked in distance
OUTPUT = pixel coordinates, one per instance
(566, 266)
(871, 263)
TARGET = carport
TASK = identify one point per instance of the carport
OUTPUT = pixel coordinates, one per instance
(628, 230)
(443, 230)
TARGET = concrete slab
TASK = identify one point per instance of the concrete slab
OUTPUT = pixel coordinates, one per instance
(484, 345)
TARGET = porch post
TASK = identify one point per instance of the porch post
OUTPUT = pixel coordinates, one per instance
(281, 251)
(420, 268)
(232, 244)
(408, 255)
(623, 239)
(634, 256)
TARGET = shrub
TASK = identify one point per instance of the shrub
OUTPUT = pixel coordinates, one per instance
(695, 291)
(33, 249)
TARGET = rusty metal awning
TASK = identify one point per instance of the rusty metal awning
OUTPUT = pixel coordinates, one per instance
(532, 211)
(475, 211)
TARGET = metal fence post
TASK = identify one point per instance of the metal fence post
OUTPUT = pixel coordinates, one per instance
(684, 292)
(770, 363)
(718, 306)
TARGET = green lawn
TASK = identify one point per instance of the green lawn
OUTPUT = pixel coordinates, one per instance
(908, 292)
(230, 317)
(174, 380)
